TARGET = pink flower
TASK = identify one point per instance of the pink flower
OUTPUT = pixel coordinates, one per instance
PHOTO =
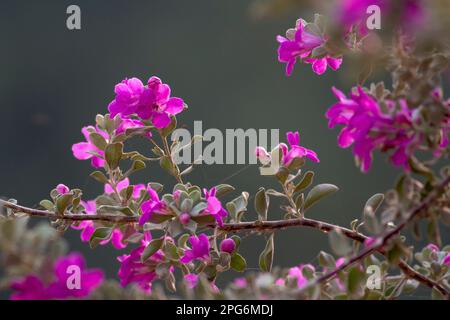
(87, 150)
(185, 218)
(123, 185)
(446, 260)
(296, 273)
(199, 249)
(133, 270)
(295, 151)
(298, 44)
(148, 102)
(228, 245)
(280, 282)
(262, 155)
(433, 247)
(240, 282)
(214, 206)
(367, 127)
(154, 204)
(62, 189)
(88, 228)
(126, 123)
(33, 288)
(319, 66)
(408, 13)
(191, 280)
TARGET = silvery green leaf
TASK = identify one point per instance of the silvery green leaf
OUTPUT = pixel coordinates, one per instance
(151, 249)
(339, 243)
(113, 154)
(266, 257)
(223, 189)
(99, 176)
(262, 204)
(305, 182)
(238, 262)
(317, 193)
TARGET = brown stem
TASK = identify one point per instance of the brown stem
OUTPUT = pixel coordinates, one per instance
(261, 226)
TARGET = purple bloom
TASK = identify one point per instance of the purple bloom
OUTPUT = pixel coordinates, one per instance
(62, 189)
(296, 273)
(154, 204)
(88, 228)
(214, 206)
(368, 128)
(296, 151)
(319, 66)
(228, 245)
(148, 102)
(447, 260)
(126, 123)
(299, 44)
(123, 185)
(433, 247)
(199, 249)
(240, 282)
(409, 13)
(33, 288)
(87, 150)
(191, 280)
(133, 270)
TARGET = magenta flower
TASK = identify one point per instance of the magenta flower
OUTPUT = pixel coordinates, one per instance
(214, 206)
(296, 273)
(368, 128)
(432, 247)
(123, 185)
(446, 260)
(288, 154)
(199, 249)
(154, 204)
(298, 44)
(296, 151)
(319, 66)
(62, 189)
(262, 155)
(410, 13)
(148, 102)
(126, 123)
(88, 228)
(191, 280)
(33, 288)
(87, 150)
(133, 270)
(228, 245)
(240, 282)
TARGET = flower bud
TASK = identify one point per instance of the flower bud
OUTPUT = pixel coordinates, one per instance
(227, 245)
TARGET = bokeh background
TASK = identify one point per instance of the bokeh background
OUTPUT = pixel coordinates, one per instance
(214, 55)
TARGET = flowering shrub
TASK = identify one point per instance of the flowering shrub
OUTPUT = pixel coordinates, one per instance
(187, 235)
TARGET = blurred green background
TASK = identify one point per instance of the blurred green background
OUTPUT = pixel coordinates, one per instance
(213, 54)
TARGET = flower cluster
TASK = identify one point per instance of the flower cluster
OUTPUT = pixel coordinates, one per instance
(368, 127)
(151, 102)
(32, 287)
